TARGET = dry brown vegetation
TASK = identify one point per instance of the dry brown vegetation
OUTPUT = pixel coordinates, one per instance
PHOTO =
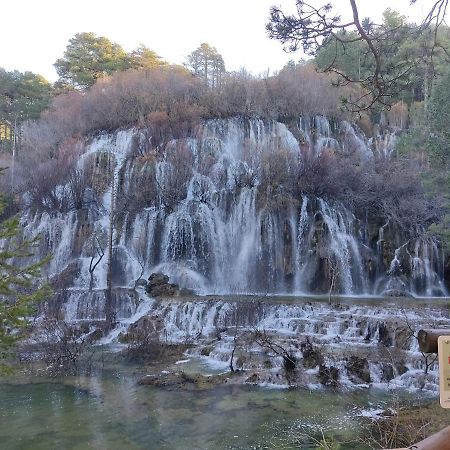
(169, 102)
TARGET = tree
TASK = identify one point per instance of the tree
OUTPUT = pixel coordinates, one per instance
(312, 27)
(206, 63)
(89, 57)
(23, 96)
(439, 121)
(438, 180)
(20, 285)
(97, 252)
(144, 58)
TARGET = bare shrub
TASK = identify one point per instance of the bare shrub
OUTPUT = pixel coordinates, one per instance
(143, 340)
(265, 341)
(67, 349)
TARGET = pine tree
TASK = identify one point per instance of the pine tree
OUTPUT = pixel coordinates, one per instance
(89, 57)
(21, 286)
(206, 63)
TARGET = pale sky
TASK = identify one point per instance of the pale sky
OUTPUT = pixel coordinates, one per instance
(34, 33)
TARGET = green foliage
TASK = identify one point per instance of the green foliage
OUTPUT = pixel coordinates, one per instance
(429, 139)
(206, 63)
(144, 58)
(350, 59)
(89, 57)
(20, 288)
(409, 55)
(23, 96)
(439, 121)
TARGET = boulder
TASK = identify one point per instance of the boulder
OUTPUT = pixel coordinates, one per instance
(146, 329)
(163, 290)
(387, 372)
(157, 279)
(384, 337)
(158, 286)
(358, 369)
(311, 355)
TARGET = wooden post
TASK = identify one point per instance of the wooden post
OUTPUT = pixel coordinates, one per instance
(428, 339)
(438, 441)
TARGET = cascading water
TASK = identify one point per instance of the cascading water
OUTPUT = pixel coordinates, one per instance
(365, 343)
(213, 214)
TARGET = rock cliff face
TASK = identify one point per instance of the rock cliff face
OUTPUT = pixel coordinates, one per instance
(218, 213)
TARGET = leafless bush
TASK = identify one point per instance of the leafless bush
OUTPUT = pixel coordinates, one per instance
(379, 190)
(264, 340)
(143, 340)
(67, 349)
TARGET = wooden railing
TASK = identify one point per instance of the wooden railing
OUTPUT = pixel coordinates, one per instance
(438, 441)
(428, 343)
(428, 339)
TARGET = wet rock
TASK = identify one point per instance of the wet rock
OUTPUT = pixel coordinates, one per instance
(183, 381)
(267, 364)
(387, 373)
(384, 336)
(145, 329)
(396, 287)
(163, 290)
(141, 282)
(157, 279)
(253, 379)
(97, 333)
(401, 368)
(205, 351)
(66, 277)
(158, 286)
(328, 376)
(240, 361)
(311, 355)
(403, 336)
(396, 293)
(358, 369)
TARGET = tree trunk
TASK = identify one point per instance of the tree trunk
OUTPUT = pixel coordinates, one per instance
(110, 307)
(13, 163)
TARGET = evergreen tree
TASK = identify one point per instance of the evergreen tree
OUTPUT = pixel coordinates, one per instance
(144, 58)
(362, 52)
(20, 285)
(206, 63)
(23, 96)
(89, 57)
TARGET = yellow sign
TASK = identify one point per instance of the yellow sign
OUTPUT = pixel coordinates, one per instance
(444, 370)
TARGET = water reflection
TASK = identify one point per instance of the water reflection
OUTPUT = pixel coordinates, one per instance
(113, 412)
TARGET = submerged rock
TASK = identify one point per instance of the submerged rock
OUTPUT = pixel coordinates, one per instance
(184, 381)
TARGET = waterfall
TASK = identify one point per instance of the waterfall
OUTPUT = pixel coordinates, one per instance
(214, 212)
(379, 337)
